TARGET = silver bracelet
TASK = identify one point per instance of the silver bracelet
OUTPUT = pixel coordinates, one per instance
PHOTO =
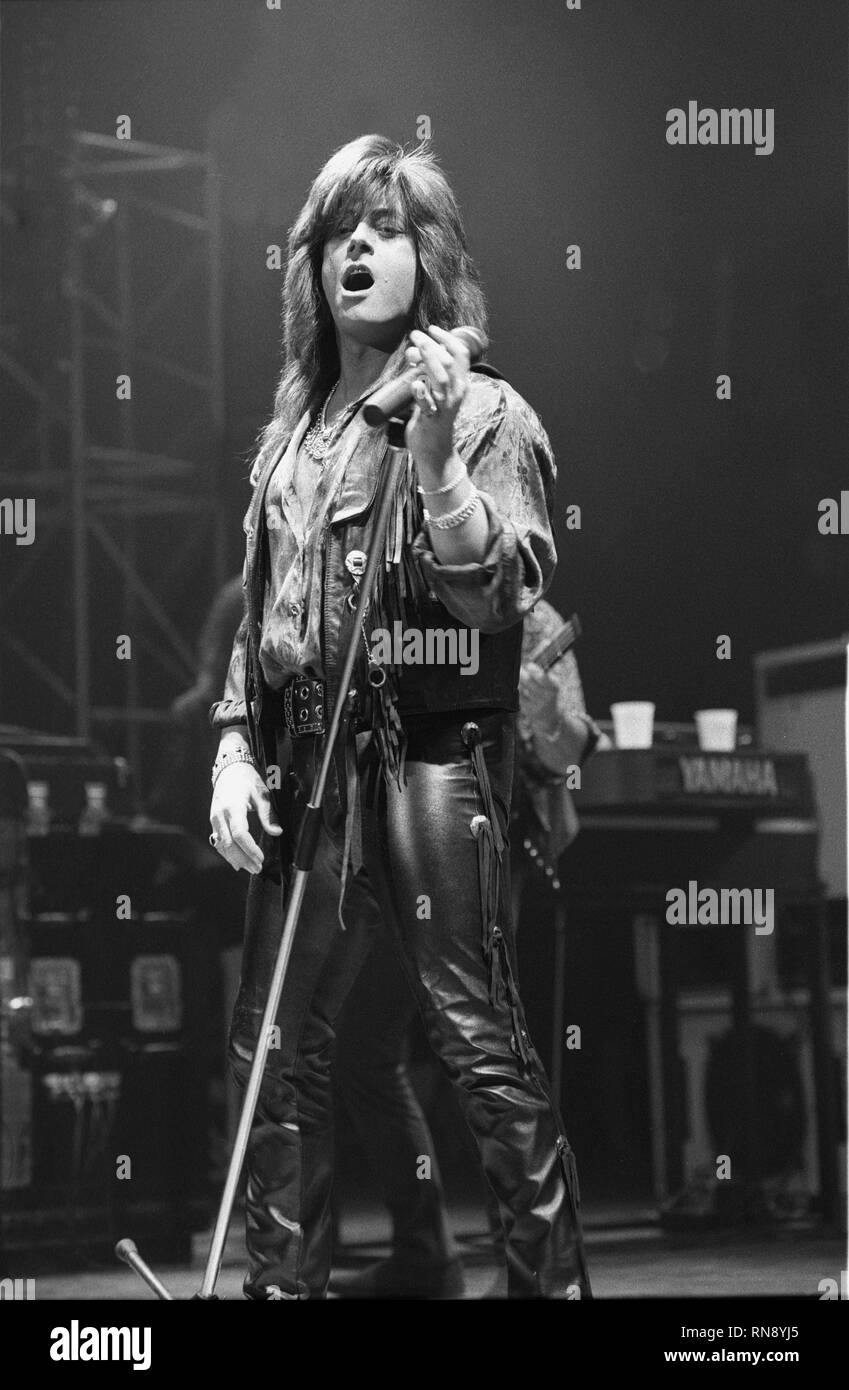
(235, 755)
(438, 491)
(449, 520)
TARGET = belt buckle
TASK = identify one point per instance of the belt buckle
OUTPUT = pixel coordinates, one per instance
(303, 706)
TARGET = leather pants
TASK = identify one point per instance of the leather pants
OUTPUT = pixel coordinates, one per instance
(372, 1083)
(376, 1096)
(421, 883)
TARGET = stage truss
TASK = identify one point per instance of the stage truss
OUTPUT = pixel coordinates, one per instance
(108, 479)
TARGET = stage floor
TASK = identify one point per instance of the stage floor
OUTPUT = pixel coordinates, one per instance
(629, 1257)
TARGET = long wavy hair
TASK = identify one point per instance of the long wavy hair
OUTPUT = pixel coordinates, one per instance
(447, 291)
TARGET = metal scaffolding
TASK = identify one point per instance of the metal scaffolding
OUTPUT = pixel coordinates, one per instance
(120, 305)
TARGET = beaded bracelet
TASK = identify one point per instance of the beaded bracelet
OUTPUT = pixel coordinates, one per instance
(449, 520)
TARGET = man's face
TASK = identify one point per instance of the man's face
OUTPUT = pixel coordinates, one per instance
(368, 273)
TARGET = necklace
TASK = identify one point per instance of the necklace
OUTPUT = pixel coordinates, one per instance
(320, 436)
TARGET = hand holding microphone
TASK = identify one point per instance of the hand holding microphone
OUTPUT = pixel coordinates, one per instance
(438, 357)
(437, 380)
(440, 363)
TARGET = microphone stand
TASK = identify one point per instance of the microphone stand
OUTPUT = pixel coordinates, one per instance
(558, 1013)
(303, 861)
(304, 857)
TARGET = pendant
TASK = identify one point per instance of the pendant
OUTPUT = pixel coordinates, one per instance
(316, 443)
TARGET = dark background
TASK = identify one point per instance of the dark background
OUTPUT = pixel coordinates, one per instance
(699, 516)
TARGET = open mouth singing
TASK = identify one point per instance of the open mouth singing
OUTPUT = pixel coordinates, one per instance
(356, 279)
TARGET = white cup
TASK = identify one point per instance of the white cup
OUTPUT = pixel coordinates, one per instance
(717, 730)
(633, 723)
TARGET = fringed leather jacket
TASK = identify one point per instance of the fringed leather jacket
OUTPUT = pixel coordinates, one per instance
(509, 458)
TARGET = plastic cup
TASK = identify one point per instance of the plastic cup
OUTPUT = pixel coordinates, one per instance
(633, 723)
(717, 730)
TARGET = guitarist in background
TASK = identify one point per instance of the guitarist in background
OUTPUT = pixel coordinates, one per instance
(373, 1036)
(555, 734)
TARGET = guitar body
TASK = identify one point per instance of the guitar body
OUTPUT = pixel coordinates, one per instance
(537, 810)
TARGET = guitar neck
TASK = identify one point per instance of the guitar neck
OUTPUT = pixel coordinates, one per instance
(558, 645)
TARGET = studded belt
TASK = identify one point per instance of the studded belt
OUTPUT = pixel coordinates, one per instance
(303, 706)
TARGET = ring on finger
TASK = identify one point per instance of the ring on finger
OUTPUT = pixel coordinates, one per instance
(424, 395)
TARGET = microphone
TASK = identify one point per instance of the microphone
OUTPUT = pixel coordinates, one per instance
(396, 396)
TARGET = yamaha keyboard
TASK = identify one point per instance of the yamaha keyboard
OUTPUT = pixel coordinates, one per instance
(676, 817)
(683, 780)
(647, 816)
